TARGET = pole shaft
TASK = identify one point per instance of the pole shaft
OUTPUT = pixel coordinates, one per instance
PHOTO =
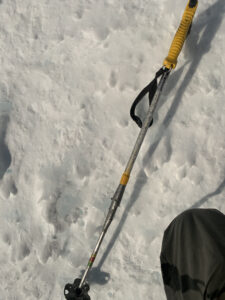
(146, 124)
(121, 188)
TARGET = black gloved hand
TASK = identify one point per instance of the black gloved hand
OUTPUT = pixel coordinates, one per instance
(73, 292)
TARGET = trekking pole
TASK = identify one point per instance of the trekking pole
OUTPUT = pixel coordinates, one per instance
(79, 289)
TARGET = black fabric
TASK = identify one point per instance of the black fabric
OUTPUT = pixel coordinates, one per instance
(150, 89)
(193, 255)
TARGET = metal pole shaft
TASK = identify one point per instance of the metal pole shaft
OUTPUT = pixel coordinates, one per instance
(146, 124)
(121, 188)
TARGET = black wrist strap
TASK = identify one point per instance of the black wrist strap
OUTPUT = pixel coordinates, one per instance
(150, 89)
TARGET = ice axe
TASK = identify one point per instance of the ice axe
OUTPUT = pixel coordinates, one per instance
(79, 289)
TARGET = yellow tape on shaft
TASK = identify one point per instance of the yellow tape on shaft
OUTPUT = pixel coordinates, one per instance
(124, 178)
(180, 36)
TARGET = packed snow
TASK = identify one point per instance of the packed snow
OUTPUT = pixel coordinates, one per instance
(70, 71)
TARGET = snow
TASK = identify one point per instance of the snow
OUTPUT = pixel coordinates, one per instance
(69, 73)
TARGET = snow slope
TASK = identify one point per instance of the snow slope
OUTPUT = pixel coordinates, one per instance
(69, 73)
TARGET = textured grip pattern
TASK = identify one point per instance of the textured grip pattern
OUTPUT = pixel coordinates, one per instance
(180, 36)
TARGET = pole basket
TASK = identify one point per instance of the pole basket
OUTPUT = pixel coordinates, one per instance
(73, 292)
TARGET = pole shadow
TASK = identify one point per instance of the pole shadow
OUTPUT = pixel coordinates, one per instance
(218, 191)
(5, 157)
(198, 43)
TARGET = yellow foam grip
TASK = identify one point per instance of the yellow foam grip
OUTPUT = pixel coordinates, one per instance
(180, 36)
(124, 178)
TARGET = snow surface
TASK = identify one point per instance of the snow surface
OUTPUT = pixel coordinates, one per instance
(69, 73)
